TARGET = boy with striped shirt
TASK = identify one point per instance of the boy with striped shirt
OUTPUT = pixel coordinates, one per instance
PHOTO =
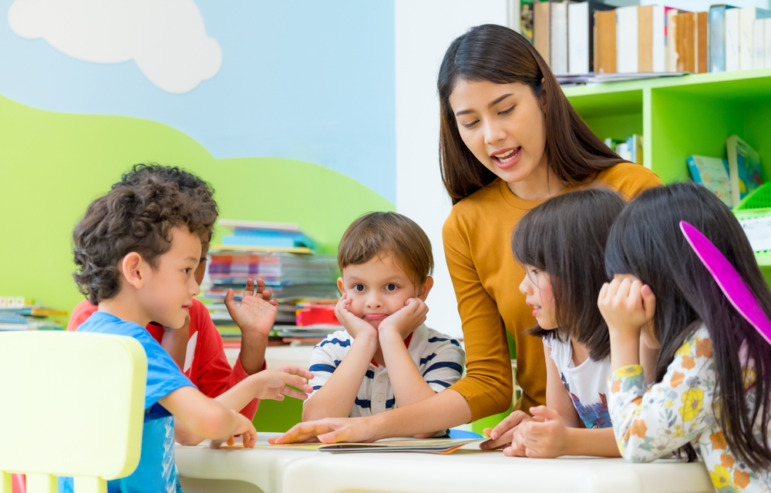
(386, 357)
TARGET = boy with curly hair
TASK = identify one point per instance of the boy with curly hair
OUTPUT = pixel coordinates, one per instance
(137, 249)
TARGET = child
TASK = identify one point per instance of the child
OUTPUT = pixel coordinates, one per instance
(561, 245)
(385, 357)
(197, 346)
(137, 249)
(711, 390)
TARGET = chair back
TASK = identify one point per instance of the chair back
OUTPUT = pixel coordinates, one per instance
(72, 405)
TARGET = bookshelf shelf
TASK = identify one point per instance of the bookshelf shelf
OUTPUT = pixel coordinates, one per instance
(680, 116)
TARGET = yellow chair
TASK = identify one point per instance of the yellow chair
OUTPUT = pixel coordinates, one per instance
(72, 405)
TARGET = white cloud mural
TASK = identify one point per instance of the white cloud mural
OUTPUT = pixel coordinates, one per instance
(166, 39)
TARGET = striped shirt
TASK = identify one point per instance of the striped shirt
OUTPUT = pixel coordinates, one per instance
(439, 359)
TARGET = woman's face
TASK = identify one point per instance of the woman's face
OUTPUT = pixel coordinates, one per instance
(503, 126)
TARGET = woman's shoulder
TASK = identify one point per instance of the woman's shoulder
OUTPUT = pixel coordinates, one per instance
(488, 200)
(628, 179)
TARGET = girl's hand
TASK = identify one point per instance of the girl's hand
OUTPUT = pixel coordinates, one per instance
(502, 434)
(355, 326)
(543, 436)
(257, 310)
(276, 383)
(405, 320)
(627, 305)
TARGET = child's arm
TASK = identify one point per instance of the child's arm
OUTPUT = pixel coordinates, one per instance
(649, 424)
(546, 435)
(206, 417)
(336, 396)
(254, 315)
(273, 383)
(408, 384)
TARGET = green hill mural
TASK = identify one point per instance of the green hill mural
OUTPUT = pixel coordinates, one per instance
(54, 164)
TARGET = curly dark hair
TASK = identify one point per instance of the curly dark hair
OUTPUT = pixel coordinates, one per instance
(136, 216)
(199, 190)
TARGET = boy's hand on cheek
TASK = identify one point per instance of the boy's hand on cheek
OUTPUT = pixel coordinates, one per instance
(355, 326)
(405, 320)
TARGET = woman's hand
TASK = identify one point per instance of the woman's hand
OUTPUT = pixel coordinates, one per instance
(330, 430)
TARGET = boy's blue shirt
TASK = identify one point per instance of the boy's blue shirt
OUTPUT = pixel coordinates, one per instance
(157, 470)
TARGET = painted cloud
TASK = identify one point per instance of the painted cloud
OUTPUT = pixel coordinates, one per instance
(166, 39)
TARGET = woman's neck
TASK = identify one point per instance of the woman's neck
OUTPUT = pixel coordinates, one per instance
(537, 186)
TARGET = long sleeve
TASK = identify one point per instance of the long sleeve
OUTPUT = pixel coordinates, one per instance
(649, 424)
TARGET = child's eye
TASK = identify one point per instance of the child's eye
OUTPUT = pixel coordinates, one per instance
(358, 288)
(187, 270)
(391, 287)
(506, 112)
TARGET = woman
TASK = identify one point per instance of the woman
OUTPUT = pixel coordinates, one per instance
(509, 140)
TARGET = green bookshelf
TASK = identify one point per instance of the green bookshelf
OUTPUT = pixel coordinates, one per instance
(680, 116)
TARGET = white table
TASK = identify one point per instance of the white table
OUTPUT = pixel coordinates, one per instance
(280, 470)
(278, 356)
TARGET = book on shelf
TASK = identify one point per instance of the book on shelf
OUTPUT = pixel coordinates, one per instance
(712, 173)
(541, 30)
(526, 18)
(717, 37)
(743, 168)
(581, 36)
(627, 39)
(651, 35)
(684, 25)
(701, 43)
(748, 44)
(671, 37)
(558, 31)
(605, 42)
(732, 39)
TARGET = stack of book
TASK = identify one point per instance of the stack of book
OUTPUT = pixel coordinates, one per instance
(20, 316)
(281, 255)
(590, 37)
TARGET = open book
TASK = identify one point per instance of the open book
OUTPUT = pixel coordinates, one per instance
(434, 445)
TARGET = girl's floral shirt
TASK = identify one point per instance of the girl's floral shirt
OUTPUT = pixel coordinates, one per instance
(653, 423)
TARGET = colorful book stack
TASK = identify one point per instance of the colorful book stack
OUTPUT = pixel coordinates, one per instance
(315, 320)
(281, 255)
(15, 314)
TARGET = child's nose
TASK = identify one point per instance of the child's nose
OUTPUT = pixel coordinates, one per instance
(373, 300)
(523, 286)
(195, 289)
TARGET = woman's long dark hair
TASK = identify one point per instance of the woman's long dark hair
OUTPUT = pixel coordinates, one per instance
(646, 241)
(498, 54)
(565, 237)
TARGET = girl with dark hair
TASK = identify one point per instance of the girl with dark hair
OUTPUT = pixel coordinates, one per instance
(508, 141)
(713, 378)
(561, 286)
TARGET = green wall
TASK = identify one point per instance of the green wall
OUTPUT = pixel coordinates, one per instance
(54, 164)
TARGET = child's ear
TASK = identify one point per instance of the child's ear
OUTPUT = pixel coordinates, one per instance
(340, 285)
(131, 269)
(426, 288)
